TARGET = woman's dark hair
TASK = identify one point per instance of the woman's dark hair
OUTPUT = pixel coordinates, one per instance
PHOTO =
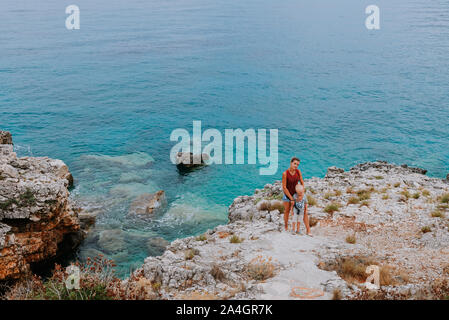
(295, 159)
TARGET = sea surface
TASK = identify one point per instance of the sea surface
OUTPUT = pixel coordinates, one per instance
(106, 98)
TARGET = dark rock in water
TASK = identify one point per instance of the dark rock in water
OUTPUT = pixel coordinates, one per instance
(148, 203)
(447, 177)
(5, 137)
(189, 160)
(414, 169)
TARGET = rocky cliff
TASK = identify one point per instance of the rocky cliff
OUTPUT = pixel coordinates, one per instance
(37, 219)
(376, 213)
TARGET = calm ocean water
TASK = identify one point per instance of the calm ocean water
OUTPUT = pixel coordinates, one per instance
(105, 98)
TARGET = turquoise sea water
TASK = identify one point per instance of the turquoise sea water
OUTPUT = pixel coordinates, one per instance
(105, 98)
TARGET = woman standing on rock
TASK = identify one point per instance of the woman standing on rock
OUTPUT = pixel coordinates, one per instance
(290, 178)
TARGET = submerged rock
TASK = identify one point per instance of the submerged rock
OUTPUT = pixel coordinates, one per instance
(112, 241)
(156, 246)
(148, 204)
(37, 218)
(137, 159)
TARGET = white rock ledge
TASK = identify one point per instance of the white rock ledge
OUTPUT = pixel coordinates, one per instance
(387, 227)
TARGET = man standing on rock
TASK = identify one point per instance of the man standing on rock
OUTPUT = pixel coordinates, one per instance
(290, 178)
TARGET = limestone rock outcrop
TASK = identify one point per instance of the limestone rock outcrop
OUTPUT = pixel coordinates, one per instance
(37, 218)
(394, 220)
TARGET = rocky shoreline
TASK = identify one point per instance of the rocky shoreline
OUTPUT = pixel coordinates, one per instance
(38, 221)
(376, 213)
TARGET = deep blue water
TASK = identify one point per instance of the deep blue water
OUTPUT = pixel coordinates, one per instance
(136, 70)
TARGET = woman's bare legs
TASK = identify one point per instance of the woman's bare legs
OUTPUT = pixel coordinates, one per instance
(287, 208)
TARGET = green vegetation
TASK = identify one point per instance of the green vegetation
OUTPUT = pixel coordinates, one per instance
(426, 229)
(277, 196)
(405, 194)
(445, 198)
(437, 214)
(217, 273)
(351, 239)
(364, 203)
(331, 208)
(8, 203)
(268, 206)
(311, 201)
(96, 282)
(353, 200)
(25, 199)
(235, 239)
(328, 195)
(353, 270)
(364, 194)
(261, 268)
(201, 238)
(190, 253)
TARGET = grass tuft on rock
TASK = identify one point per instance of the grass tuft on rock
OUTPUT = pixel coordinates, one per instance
(426, 229)
(311, 201)
(445, 198)
(353, 200)
(331, 208)
(437, 214)
(261, 268)
(351, 239)
(353, 270)
(217, 273)
(201, 237)
(189, 254)
(235, 239)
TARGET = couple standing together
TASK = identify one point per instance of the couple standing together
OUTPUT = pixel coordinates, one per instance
(295, 199)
